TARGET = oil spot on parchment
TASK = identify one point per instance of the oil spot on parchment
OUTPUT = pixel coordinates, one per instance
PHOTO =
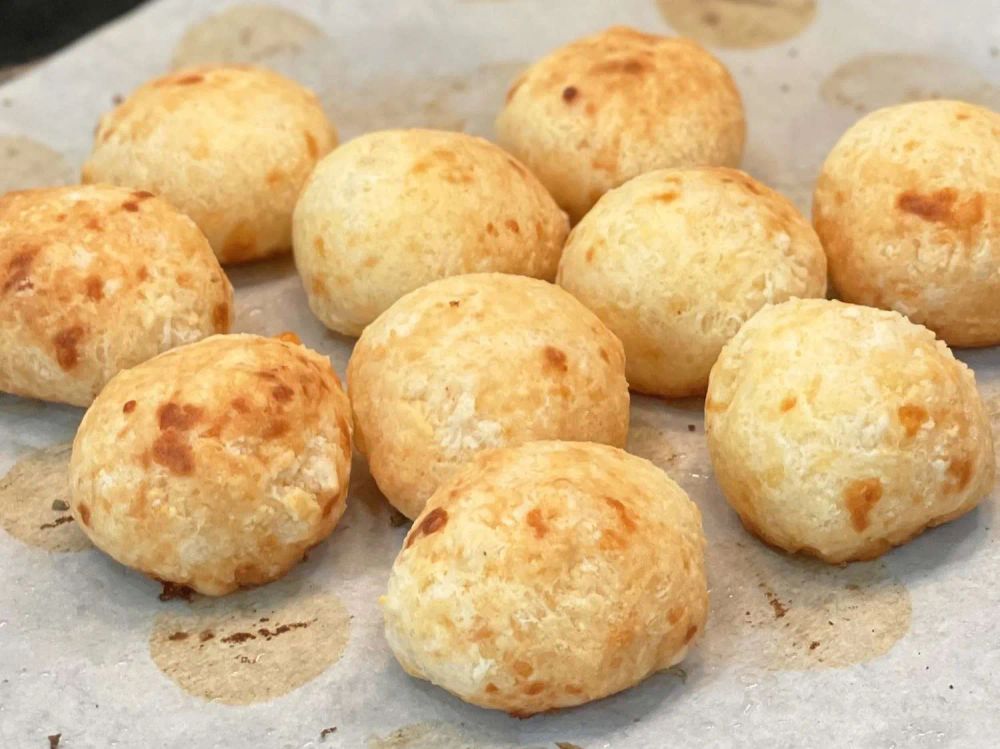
(431, 735)
(251, 646)
(780, 612)
(742, 24)
(245, 34)
(661, 433)
(465, 103)
(654, 444)
(26, 163)
(881, 80)
(34, 501)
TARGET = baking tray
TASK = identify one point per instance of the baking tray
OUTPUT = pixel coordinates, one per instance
(899, 652)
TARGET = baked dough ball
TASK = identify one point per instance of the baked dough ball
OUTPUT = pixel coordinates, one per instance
(840, 431)
(229, 146)
(908, 209)
(216, 465)
(612, 106)
(393, 210)
(477, 361)
(95, 279)
(676, 260)
(548, 575)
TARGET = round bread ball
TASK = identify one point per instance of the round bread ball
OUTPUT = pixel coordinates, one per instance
(216, 465)
(908, 209)
(230, 146)
(393, 210)
(840, 431)
(547, 575)
(95, 279)
(675, 261)
(615, 105)
(478, 361)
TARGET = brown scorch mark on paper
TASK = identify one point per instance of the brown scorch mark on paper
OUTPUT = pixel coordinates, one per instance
(252, 646)
(172, 591)
(56, 523)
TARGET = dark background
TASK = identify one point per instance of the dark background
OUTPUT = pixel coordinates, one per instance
(31, 29)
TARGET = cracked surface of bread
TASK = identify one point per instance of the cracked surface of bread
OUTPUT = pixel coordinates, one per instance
(477, 361)
(393, 210)
(230, 146)
(908, 208)
(674, 261)
(216, 465)
(95, 279)
(840, 431)
(612, 106)
(547, 575)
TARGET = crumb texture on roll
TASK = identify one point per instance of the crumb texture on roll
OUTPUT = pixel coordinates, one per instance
(478, 361)
(216, 465)
(230, 146)
(393, 210)
(548, 575)
(95, 279)
(609, 107)
(676, 260)
(908, 208)
(841, 431)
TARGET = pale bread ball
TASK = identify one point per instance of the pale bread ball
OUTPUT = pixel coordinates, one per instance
(230, 146)
(95, 279)
(612, 106)
(841, 431)
(908, 208)
(548, 575)
(675, 261)
(393, 210)
(477, 361)
(216, 465)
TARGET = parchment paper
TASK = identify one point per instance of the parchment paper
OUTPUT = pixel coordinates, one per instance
(900, 652)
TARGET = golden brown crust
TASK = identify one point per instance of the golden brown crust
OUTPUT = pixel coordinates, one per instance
(872, 433)
(477, 361)
(95, 279)
(393, 210)
(548, 575)
(608, 107)
(231, 146)
(215, 465)
(908, 209)
(674, 261)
